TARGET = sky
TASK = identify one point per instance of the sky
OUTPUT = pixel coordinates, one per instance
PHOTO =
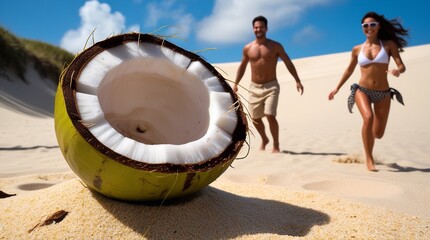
(216, 29)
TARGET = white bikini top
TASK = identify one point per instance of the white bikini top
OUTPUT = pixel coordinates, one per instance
(382, 57)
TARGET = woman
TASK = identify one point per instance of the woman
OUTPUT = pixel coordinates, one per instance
(384, 39)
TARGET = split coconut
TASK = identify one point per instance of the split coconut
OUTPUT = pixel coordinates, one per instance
(138, 118)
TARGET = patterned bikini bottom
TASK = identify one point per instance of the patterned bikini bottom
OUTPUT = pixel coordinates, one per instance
(374, 95)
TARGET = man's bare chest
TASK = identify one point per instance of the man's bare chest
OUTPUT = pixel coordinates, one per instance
(261, 53)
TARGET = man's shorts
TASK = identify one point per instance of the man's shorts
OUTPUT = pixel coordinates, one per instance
(263, 99)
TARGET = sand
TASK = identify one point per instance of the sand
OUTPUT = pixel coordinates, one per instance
(317, 188)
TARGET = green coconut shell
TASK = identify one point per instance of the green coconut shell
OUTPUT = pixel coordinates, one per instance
(118, 176)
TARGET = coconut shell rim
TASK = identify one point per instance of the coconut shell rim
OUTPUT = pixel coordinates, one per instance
(71, 75)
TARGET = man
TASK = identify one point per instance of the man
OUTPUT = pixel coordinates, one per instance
(263, 54)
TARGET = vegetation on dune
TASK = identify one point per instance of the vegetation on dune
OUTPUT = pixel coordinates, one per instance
(12, 54)
(49, 60)
(15, 53)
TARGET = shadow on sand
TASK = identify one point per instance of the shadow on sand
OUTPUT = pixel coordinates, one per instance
(398, 168)
(214, 214)
(19, 148)
(312, 153)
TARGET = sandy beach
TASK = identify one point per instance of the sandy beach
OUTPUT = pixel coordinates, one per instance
(318, 187)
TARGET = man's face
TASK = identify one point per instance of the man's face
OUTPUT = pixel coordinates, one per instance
(260, 29)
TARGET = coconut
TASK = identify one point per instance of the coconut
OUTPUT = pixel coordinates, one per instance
(138, 118)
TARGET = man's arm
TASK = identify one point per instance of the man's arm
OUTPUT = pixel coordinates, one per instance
(241, 69)
(291, 68)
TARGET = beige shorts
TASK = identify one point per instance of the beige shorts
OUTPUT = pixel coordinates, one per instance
(263, 99)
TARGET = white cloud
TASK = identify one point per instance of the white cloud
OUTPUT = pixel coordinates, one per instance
(94, 16)
(231, 20)
(155, 13)
(134, 28)
(306, 35)
(169, 11)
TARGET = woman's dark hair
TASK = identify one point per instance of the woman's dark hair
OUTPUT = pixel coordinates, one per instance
(260, 19)
(390, 29)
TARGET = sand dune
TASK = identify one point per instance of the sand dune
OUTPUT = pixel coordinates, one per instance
(318, 187)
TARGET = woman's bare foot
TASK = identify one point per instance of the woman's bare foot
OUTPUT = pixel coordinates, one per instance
(371, 165)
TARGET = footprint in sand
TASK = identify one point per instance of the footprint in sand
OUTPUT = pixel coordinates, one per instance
(34, 186)
(355, 188)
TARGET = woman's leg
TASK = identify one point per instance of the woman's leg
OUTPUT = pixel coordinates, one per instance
(382, 110)
(363, 103)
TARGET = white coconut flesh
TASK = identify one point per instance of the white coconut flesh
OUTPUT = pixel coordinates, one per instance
(154, 105)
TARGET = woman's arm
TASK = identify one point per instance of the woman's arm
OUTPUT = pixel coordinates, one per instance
(394, 52)
(348, 72)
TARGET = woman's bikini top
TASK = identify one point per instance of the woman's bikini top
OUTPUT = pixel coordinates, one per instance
(382, 57)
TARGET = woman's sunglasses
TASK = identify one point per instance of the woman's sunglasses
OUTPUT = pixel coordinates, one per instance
(371, 24)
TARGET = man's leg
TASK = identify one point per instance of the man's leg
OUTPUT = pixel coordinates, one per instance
(274, 129)
(259, 125)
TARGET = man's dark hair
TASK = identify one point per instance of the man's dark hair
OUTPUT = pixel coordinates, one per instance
(260, 19)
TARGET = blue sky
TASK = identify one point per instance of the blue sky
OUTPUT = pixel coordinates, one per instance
(305, 27)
